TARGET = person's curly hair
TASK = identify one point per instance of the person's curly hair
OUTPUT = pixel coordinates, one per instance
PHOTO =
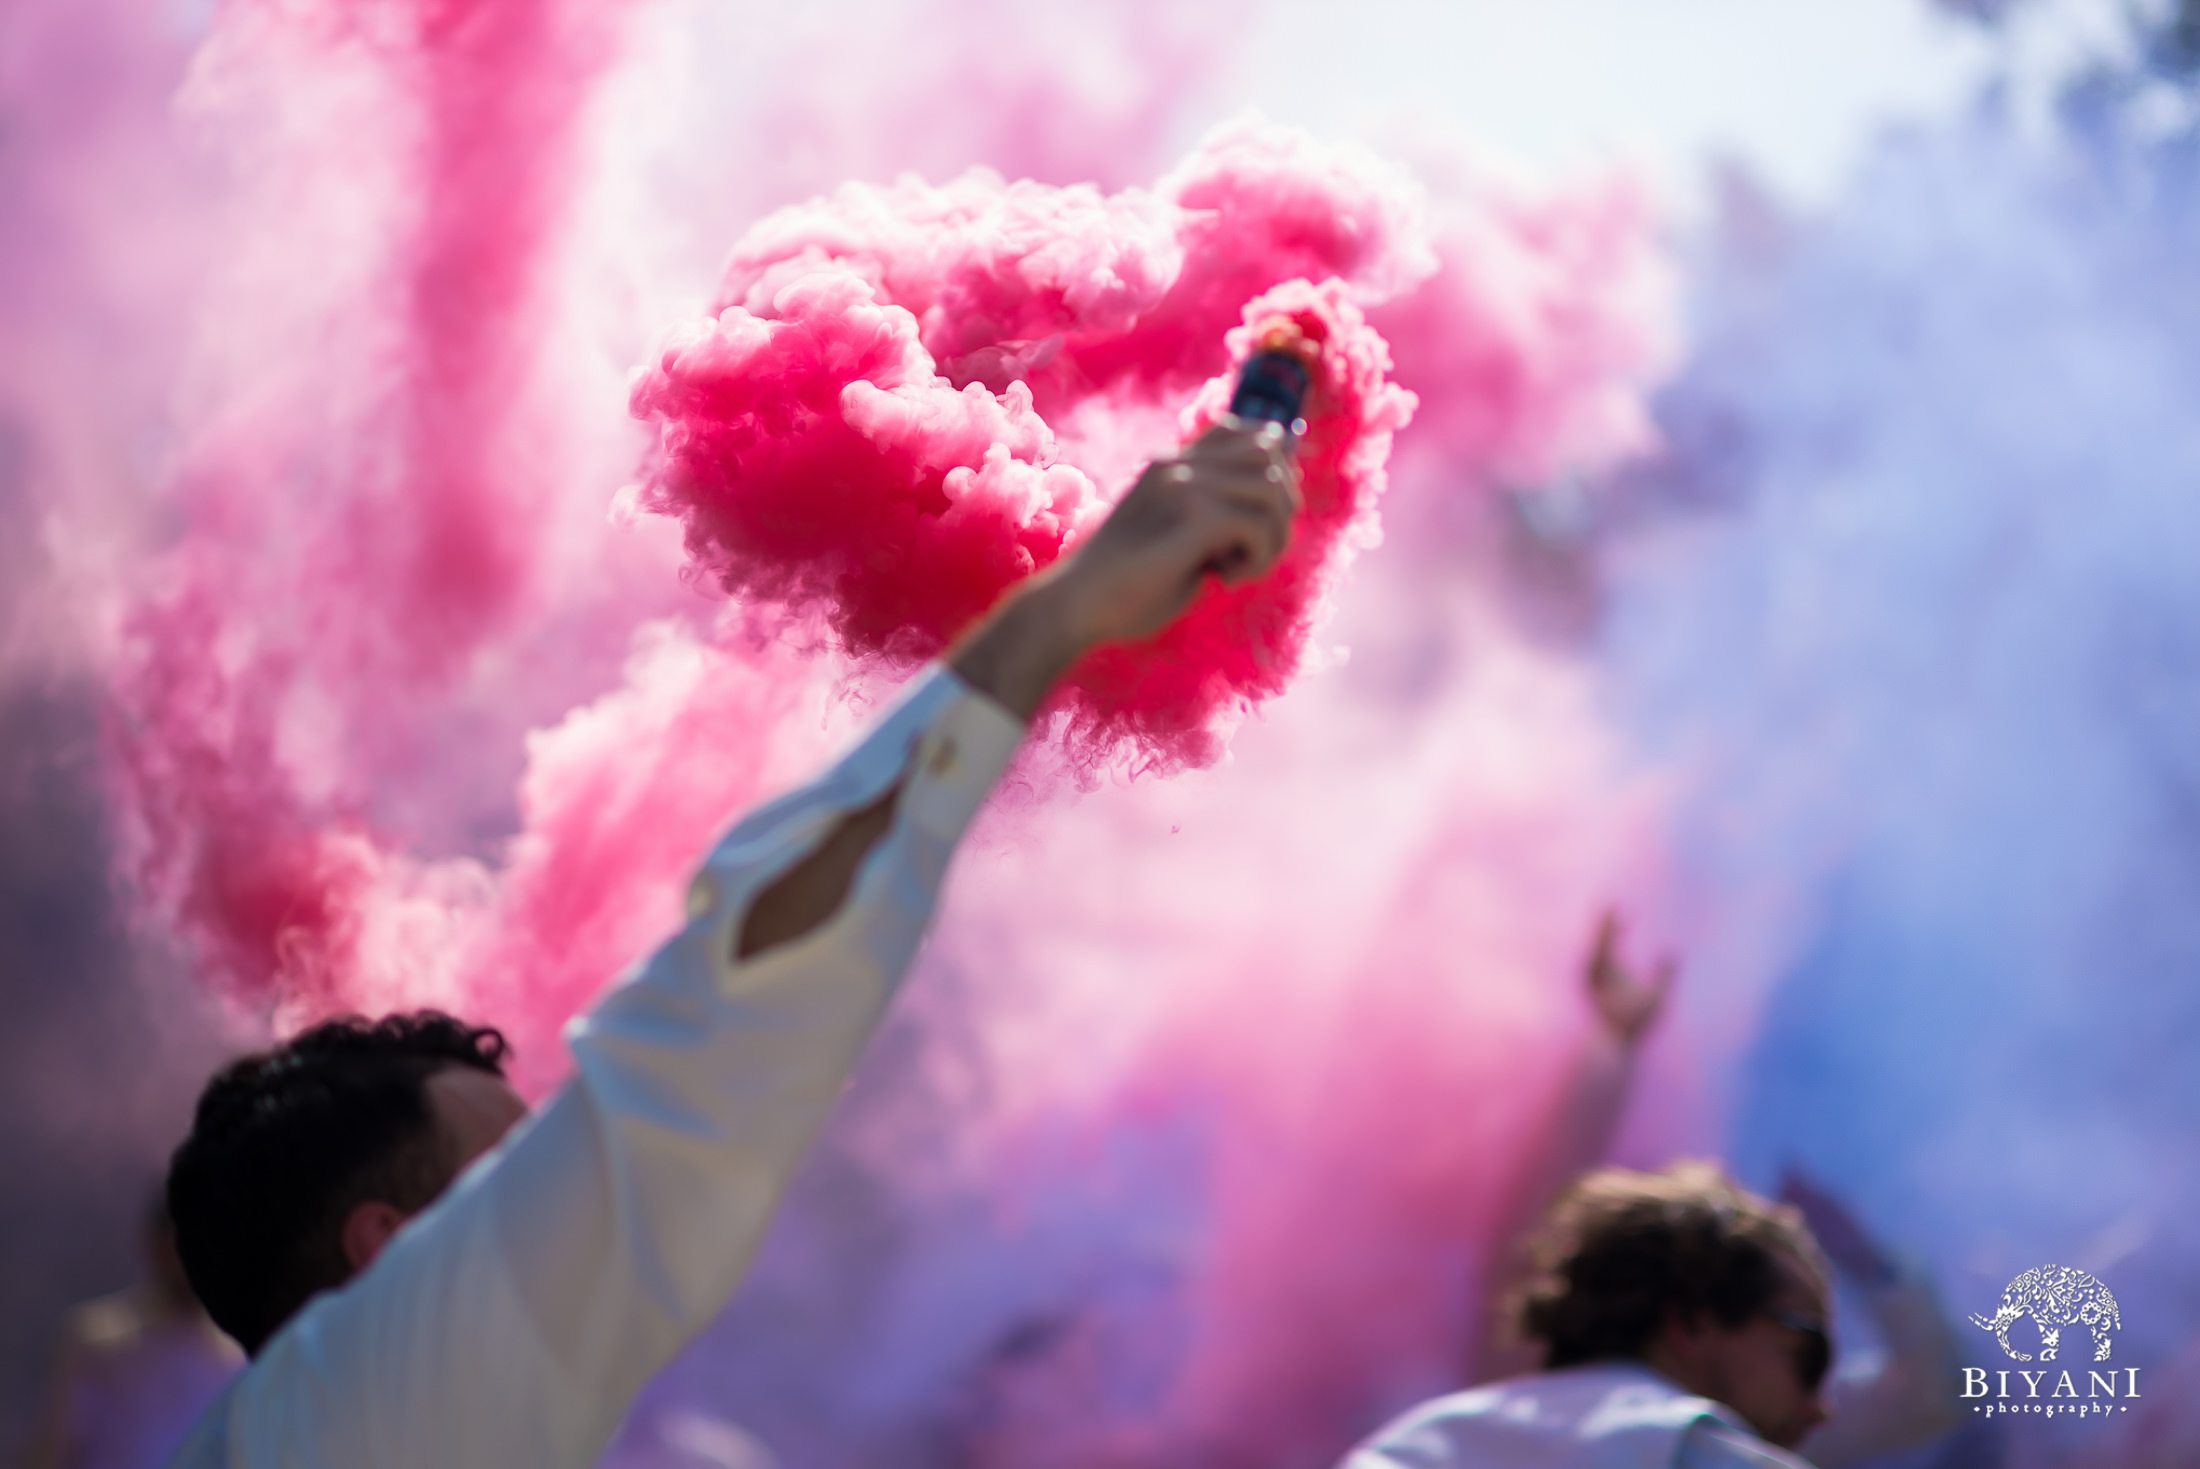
(1621, 1251)
(286, 1142)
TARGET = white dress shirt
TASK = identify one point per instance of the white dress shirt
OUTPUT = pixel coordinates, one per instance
(512, 1323)
(1613, 1415)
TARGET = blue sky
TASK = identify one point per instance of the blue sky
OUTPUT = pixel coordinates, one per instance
(1797, 87)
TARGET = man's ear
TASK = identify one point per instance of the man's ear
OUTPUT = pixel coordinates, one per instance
(1688, 1330)
(368, 1229)
(1676, 1348)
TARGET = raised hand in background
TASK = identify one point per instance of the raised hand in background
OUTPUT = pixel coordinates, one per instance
(1624, 1000)
(1627, 1001)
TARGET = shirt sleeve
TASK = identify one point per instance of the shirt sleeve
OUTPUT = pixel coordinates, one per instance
(513, 1322)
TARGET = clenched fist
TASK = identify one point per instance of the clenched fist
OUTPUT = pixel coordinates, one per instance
(1223, 507)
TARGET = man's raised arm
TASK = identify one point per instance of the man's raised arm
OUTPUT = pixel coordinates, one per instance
(512, 1322)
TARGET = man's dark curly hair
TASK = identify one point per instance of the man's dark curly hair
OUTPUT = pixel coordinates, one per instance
(1622, 1250)
(287, 1142)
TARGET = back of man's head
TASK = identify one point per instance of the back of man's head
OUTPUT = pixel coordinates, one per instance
(287, 1142)
(1623, 1252)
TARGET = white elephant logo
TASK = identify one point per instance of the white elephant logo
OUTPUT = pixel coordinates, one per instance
(2054, 1296)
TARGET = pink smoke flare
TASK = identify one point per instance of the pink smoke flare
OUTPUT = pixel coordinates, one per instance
(911, 398)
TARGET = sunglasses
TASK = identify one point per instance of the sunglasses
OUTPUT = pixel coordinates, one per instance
(1814, 1353)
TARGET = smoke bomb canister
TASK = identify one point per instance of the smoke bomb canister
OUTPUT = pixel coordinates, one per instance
(1272, 388)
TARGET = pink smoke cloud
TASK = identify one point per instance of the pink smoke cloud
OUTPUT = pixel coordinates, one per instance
(254, 744)
(865, 430)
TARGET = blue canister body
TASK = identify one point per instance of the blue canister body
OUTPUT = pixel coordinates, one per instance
(1272, 388)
